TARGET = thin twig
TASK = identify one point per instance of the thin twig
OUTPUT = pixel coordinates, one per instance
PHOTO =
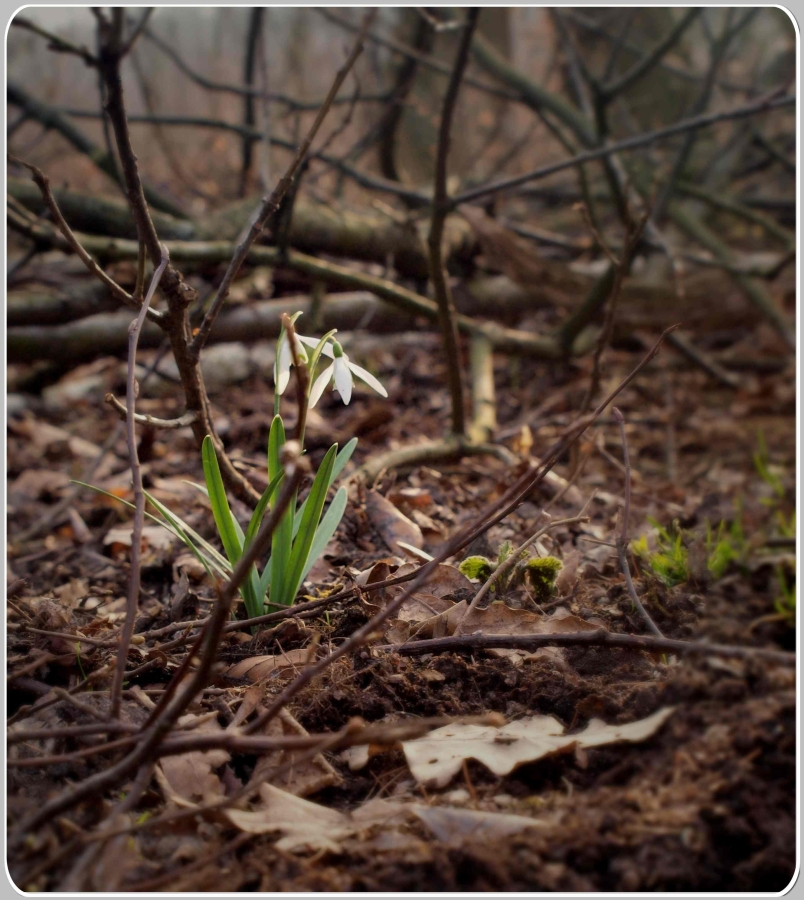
(622, 538)
(153, 421)
(43, 183)
(295, 469)
(766, 104)
(133, 600)
(438, 275)
(270, 204)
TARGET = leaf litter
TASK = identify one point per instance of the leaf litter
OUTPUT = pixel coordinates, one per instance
(549, 809)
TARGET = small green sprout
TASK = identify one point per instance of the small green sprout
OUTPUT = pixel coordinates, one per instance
(670, 561)
(477, 568)
(766, 471)
(786, 603)
(726, 547)
(541, 574)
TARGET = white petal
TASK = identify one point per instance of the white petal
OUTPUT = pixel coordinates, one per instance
(313, 342)
(283, 363)
(300, 351)
(370, 380)
(320, 384)
(343, 378)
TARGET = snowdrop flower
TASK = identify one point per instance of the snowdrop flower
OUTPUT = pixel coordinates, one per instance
(284, 359)
(340, 370)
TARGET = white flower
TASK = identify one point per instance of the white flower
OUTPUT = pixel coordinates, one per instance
(340, 371)
(284, 359)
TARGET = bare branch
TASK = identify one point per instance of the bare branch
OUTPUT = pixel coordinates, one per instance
(651, 59)
(766, 104)
(270, 204)
(43, 183)
(133, 599)
(154, 422)
(55, 43)
(438, 275)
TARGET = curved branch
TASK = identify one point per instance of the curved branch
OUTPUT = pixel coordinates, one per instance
(153, 421)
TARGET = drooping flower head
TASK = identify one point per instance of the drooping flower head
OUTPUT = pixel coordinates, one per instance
(340, 372)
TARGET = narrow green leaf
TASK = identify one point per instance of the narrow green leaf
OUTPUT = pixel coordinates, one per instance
(276, 439)
(340, 461)
(224, 520)
(182, 526)
(259, 510)
(329, 524)
(207, 555)
(308, 526)
(283, 534)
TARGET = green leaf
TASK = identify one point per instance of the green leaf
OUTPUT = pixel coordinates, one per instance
(329, 524)
(260, 584)
(207, 555)
(340, 461)
(259, 511)
(282, 541)
(224, 520)
(276, 439)
(187, 532)
(308, 527)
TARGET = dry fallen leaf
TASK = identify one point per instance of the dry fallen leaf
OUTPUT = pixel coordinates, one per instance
(48, 437)
(446, 581)
(188, 778)
(310, 826)
(305, 825)
(257, 668)
(153, 536)
(36, 484)
(391, 524)
(448, 824)
(435, 759)
(306, 775)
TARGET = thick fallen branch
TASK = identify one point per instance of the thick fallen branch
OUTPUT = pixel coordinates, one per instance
(51, 118)
(502, 338)
(599, 638)
(314, 228)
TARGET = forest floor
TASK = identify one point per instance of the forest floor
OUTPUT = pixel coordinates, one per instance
(702, 799)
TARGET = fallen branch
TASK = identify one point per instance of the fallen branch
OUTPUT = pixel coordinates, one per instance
(599, 638)
(430, 452)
